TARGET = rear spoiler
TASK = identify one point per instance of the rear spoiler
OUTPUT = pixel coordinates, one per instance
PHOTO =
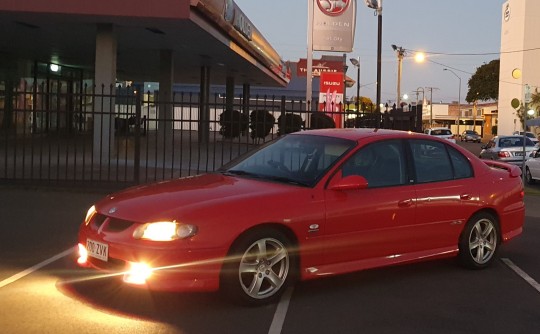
(514, 171)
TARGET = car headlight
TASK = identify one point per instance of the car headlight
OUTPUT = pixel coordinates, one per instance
(89, 214)
(164, 231)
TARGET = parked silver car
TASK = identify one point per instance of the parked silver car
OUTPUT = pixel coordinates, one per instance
(471, 135)
(508, 149)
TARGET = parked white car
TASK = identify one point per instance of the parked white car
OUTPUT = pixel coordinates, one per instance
(532, 167)
(444, 133)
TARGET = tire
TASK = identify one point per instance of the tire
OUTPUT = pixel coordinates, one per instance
(528, 176)
(478, 243)
(259, 268)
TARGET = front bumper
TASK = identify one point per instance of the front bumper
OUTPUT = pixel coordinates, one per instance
(174, 267)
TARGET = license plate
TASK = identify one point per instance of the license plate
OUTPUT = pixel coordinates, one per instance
(97, 249)
(518, 154)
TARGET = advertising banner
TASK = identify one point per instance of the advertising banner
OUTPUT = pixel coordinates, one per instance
(331, 96)
(334, 24)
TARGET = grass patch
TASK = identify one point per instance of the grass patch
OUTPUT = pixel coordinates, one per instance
(532, 190)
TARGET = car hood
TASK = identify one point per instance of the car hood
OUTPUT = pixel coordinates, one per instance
(171, 199)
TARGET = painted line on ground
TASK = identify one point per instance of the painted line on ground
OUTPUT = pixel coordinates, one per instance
(35, 268)
(281, 312)
(522, 274)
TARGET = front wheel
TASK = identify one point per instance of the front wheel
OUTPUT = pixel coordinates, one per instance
(479, 241)
(259, 267)
(528, 176)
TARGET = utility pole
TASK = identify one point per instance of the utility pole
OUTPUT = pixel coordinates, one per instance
(400, 54)
(431, 105)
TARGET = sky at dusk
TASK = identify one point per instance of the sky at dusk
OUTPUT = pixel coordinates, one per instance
(465, 33)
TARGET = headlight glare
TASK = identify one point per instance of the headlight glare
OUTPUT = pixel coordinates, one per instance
(89, 214)
(164, 231)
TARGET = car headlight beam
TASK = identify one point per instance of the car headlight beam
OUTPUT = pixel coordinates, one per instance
(164, 231)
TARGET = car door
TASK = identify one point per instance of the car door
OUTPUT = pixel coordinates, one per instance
(371, 223)
(446, 195)
(534, 165)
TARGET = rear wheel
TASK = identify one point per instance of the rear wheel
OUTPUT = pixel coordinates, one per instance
(259, 267)
(528, 176)
(479, 241)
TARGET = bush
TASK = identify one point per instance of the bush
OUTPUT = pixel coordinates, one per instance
(288, 123)
(232, 123)
(261, 123)
(321, 121)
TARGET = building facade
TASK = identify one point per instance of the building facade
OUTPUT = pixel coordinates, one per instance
(520, 69)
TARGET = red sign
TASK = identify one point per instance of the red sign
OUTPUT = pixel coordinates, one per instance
(331, 95)
(319, 66)
(333, 7)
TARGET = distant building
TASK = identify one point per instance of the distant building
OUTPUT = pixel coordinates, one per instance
(519, 59)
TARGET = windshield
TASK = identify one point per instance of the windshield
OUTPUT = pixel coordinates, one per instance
(295, 159)
(514, 142)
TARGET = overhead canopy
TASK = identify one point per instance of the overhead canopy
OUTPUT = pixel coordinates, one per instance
(533, 122)
(212, 33)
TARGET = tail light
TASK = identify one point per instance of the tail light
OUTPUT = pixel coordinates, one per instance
(504, 154)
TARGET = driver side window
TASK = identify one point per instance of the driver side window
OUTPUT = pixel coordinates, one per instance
(382, 164)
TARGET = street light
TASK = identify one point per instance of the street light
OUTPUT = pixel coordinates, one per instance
(356, 63)
(400, 54)
(377, 5)
(459, 97)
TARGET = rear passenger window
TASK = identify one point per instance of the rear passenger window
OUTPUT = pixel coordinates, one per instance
(431, 161)
(462, 166)
(434, 161)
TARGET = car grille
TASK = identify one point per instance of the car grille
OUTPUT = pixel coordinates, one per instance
(111, 224)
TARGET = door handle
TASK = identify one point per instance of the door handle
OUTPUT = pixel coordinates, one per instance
(465, 197)
(405, 203)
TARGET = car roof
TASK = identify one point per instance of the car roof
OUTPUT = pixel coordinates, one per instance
(360, 133)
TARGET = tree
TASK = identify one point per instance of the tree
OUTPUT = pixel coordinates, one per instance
(535, 100)
(484, 83)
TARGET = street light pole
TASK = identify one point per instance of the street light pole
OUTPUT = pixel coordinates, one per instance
(378, 6)
(356, 62)
(459, 98)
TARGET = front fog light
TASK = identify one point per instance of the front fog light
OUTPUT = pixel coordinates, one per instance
(138, 273)
(83, 255)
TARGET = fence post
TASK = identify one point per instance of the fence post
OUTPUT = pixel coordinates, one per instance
(138, 122)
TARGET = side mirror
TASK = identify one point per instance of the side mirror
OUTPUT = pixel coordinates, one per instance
(351, 182)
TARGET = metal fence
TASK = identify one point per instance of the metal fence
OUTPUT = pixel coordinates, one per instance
(87, 135)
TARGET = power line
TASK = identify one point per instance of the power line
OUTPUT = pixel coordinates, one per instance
(474, 54)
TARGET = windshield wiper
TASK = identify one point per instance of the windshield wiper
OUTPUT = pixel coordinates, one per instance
(284, 179)
(265, 177)
(237, 172)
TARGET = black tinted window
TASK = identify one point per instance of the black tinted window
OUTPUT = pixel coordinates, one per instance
(382, 164)
(462, 167)
(431, 161)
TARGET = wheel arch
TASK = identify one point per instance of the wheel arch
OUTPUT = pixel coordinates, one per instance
(493, 213)
(285, 230)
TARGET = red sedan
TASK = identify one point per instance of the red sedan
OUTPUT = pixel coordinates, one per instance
(308, 205)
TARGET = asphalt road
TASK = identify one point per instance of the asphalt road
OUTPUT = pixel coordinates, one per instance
(56, 296)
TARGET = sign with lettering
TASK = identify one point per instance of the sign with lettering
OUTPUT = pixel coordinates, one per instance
(331, 95)
(334, 25)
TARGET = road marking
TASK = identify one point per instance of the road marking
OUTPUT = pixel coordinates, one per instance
(281, 312)
(522, 274)
(35, 268)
